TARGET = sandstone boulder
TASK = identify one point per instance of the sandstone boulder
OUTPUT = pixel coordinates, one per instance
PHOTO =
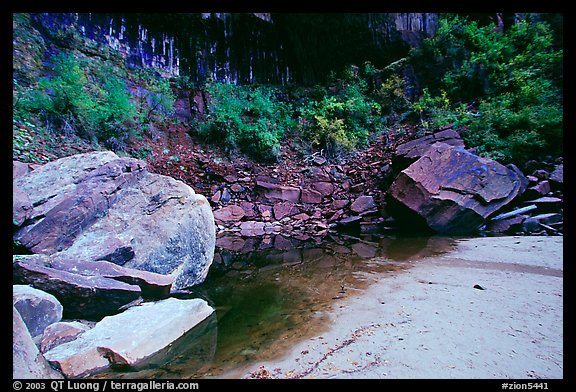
(27, 361)
(37, 308)
(407, 153)
(453, 190)
(97, 206)
(129, 338)
(89, 198)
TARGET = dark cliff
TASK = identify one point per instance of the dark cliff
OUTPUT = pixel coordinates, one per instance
(244, 47)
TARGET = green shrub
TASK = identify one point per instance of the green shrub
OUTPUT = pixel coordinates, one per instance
(90, 98)
(396, 106)
(248, 118)
(94, 106)
(503, 88)
(341, 120)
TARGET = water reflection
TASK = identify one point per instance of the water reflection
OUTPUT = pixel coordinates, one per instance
(271, 292)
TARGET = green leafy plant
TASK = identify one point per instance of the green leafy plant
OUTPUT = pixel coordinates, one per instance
(343, 119)
(96, 107)
(90, 98)
(248, 118)
(504, 88)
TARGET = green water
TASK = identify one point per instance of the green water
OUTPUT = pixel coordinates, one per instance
(266, 300)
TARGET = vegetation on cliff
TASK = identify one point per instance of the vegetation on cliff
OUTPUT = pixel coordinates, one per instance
(500, 85)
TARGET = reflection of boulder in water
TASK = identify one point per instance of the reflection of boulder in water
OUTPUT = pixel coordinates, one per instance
(365, 249)
(182, 358)
(397, 248)
(410, 248)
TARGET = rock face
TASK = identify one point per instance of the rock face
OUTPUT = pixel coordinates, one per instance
(82, 296)
(285, 44)
(27, 362)
(37, 308)
(97, 206)
(453, 190)
(129, 338)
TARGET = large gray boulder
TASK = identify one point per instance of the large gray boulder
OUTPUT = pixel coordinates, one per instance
(452, 190)
(129, 338)
(98, 206)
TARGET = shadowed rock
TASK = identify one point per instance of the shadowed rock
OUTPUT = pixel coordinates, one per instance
(37, 308)
(87, 297)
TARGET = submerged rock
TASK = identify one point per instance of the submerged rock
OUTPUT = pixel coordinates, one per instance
(129, 338)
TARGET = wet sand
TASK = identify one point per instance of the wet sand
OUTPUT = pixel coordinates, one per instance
(491, 308)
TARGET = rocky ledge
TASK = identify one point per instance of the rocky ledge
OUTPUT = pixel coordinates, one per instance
(430, 183)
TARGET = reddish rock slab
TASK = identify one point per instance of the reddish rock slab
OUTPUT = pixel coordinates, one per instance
(153, 286)
(61, 332)
(279, 192)
(284, 209)
(323, 187)
(248, 208)
(311, 196)
(452, 190)
(85, 297)
(228, 214)
(363, 203)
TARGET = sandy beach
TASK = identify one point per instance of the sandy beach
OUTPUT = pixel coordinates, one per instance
(491, 308)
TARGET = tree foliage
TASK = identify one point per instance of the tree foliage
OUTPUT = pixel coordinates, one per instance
(342, 117)
(504, 87)
(90, 99)
(249, 118)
